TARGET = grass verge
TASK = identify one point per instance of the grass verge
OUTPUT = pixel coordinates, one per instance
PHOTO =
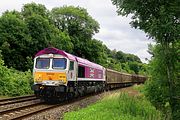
(119, 106)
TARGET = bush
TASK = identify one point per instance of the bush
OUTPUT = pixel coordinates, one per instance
(13, 82)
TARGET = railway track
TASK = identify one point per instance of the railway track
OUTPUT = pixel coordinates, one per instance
(24, 111)
(17, 99)
(9, 106)
(28, 109)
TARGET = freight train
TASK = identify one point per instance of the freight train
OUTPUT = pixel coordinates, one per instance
(58, 74)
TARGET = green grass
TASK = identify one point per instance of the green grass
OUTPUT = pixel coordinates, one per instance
(139, 88)
(3, 97)
(117, 107)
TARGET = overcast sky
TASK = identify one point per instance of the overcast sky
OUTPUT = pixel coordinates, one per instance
(115, 31)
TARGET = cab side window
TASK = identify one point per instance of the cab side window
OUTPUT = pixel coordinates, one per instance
(81, 71)
(71, 65)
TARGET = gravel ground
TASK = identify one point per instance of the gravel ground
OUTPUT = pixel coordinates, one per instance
(57, 113)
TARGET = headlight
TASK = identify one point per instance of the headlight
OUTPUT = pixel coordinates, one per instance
(38, 78)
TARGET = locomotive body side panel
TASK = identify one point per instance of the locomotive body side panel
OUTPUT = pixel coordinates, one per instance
(72, 71)
(88, 71)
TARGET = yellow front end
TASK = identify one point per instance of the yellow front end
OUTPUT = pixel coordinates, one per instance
(50, 78)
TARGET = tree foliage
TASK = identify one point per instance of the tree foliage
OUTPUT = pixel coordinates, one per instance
(157, 88)
(68, 28)
(160, 20)
(30, 9)
(13, 82)
(78, 24)
(75, 20)
(24, 33)
(13, 38)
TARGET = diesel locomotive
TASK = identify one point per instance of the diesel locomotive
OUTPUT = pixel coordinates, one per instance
(58, 74)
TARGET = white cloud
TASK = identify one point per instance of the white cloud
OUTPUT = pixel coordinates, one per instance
(115, 31)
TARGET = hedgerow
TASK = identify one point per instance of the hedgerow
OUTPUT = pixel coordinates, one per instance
(13, 82)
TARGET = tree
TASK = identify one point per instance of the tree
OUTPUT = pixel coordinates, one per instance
(95, 52)
(121, 56)
(42, 30)
(24, 33)
(157, 87)
(160, 20)
(78, 24)
(132, 58)
(62, 41)
(134, 66)
(13, 40)
(30, 9)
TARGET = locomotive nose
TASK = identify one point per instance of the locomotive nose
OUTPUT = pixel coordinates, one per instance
(50, 78)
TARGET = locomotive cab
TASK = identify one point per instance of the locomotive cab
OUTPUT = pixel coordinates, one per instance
(51, 72)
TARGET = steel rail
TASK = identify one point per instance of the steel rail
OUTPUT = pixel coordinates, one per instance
(42, 109)
(18, 108)
(17, 101)
(16, 98)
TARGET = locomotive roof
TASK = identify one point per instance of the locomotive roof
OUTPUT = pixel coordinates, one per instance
(55, 51)
(81, 61)
(85, 62)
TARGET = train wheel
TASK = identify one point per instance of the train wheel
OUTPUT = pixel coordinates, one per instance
(70, 95)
